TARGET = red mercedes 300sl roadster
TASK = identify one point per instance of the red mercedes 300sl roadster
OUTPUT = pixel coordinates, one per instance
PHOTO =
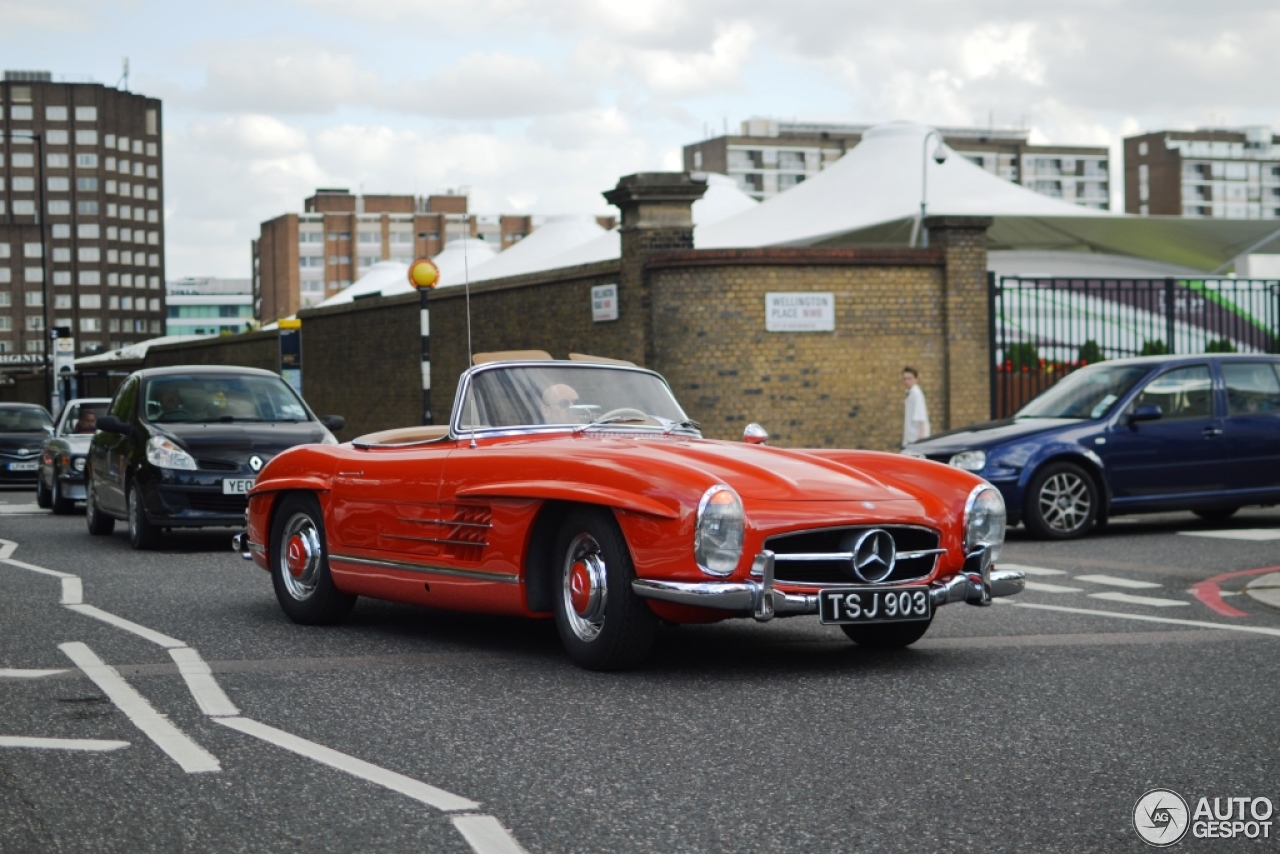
(580, 489)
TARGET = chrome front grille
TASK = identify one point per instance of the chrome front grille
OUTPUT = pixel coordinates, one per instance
(823, 557)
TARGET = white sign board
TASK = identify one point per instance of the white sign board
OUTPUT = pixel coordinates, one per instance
(604, 303)
(800, 312)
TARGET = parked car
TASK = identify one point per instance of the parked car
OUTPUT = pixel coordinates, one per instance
(180, 447)
(23, 429)
(1198, 433)
(580, 490)
(60, 483)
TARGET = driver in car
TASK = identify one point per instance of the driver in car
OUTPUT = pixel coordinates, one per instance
(558, 405)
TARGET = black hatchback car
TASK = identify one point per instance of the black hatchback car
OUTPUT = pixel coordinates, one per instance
(23, 429)
(180, 447)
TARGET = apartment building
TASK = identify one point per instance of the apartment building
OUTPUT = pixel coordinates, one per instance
(769, 157)
(302, 259)
(81, 223)
(1217, 173)
(208, 306)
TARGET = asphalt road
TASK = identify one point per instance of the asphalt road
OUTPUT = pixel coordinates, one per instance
(1028, 726)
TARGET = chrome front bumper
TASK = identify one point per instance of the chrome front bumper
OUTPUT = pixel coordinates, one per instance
(976, 584)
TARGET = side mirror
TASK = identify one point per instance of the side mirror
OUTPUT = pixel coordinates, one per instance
(334, 422)
(754, 434)
(111, 424)
(1146, 412)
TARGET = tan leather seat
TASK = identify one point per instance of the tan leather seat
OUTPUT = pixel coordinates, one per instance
(404, 435)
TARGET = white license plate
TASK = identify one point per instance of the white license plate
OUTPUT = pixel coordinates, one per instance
(863, 605)
(237, 485)
(23, 466)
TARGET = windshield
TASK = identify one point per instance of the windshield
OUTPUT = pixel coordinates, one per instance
(82, 417)
(24, 419)
(1088, 393)
(191, 397)
(571, 395)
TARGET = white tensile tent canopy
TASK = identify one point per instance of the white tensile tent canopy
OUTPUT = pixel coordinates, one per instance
(557, 235)
(872, 196)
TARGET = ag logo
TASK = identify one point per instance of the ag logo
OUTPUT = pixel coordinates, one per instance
(1161, 818)
(255, 462)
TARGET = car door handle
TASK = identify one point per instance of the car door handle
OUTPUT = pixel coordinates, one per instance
(1210, 432)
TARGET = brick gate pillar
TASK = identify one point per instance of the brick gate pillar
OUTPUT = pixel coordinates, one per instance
(966, 320)
(657, 216)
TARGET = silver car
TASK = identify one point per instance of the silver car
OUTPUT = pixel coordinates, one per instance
(60, 481)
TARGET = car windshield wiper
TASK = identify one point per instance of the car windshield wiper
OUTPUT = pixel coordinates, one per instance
(628, 416)
(669, 426)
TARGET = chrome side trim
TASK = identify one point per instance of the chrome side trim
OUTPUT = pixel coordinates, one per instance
(473, 574)
(449, 522)
(480, 544)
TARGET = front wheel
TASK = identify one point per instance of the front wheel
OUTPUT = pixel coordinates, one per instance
(143, 535)
(1062, 502)
(99, 523)
(887, 635)
(603, 624)
(300, 564)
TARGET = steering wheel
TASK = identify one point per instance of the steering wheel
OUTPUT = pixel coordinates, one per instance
(613, 414)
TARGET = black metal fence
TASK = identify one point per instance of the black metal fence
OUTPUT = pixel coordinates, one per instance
(1042, 328)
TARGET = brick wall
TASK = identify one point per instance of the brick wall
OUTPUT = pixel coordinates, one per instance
(815, 389)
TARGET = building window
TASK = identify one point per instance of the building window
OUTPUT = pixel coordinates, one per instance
(90, 324)
(36, 346)
(89, 254)
(123, 143)
(153, 122)
(90, 301)
(33, 274)
(61, 231)
(62, 301)
(34, 323)
(90, 277)
(32, 250)
(86, 207)
(5, 275)
(34, 299)
(89, 161)
(24, 207)
(151, 149)
(153, 260)
(62, 254)
(137, 146)
(370, 237)
(24, 184)
(55, 137)
(61, 207)
(59, 185)
(126, 303)
(86, 137)
(126, 280)
(57, 161)
(62, 277)
(86, 184)
(152, 171)
(20, 112)
(22, 160)
(154, 304)
(86, 114)
(87, 231)
(124, 166)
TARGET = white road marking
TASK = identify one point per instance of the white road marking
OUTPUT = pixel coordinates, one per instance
(1032, 570)
(94, 744)
(407, 786)
(1151, 601)
(200, 682)
(1112, 581)
(6, 673)
(72, 592)
(1144, 618)
(1256, 534)
(485, 835)
(128, 625)
(4, 558)
(22, 510)
(1041, 587)
(193, 758)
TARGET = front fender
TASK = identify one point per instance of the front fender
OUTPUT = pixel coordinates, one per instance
(549, 490)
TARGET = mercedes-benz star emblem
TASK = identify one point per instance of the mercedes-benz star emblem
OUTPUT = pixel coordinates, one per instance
(873, 556)
(255, 462)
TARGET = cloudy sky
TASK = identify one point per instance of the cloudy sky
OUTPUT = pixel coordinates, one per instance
(537, 106)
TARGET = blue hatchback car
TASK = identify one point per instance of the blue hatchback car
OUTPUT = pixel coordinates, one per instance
(1198, 433)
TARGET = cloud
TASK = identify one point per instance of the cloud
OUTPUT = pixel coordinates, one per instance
(490, 86)
(281, 76)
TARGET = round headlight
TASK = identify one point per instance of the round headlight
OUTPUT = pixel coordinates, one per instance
(984, 520)
(78, 464)
(969, 460)
(165, 454)
(717, 538)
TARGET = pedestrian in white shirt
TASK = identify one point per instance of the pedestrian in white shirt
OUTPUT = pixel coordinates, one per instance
(915, 424)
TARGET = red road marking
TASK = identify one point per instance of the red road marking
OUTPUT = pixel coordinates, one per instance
(1207, 591)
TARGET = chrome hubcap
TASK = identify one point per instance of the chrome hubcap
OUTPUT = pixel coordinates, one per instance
(300, 561)
(1065, 502)
(584, 587)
